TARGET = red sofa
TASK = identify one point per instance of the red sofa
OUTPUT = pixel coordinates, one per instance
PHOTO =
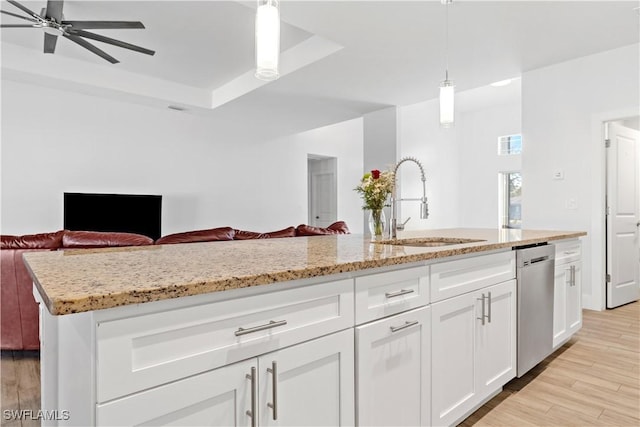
(19, 313)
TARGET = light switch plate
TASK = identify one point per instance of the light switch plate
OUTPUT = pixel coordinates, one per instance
(558, 174)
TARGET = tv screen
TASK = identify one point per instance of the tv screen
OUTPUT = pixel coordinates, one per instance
(128, 213)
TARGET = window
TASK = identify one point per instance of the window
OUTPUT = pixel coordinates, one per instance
(510, 199)
(510, 144)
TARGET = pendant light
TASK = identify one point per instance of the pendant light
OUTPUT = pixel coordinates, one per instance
(267, 40)
(447, 87)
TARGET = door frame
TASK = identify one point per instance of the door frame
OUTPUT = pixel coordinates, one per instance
(596, 300)
(608, 220)
(333, 162)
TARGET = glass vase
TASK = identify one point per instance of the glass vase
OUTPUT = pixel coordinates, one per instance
(377, 223)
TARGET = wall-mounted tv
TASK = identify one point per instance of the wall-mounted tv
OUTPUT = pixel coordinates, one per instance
(128, 213)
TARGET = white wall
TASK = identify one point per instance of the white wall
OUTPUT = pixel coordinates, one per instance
(55, 141)
(564, 106)
(480, 163)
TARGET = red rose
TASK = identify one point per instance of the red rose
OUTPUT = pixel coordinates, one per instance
(375, 174)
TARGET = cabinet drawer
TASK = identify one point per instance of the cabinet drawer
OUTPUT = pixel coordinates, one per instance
(145, 351)
(452, 278)
(568, 251)
(380, 295)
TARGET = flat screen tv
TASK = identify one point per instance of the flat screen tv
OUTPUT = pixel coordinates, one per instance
(128, 213)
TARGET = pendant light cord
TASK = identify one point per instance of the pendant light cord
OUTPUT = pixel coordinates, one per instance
(446, 41)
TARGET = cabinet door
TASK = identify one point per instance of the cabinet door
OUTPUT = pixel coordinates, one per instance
(313, 384)
(453, 332)
(574, 300)
(562, 281)
(496, 339)
(393, 370)
(217, 398)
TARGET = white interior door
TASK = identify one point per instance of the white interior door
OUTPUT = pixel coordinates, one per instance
(623, 188)
(322, 192)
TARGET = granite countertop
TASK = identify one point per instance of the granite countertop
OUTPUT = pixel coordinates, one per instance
(74, 281)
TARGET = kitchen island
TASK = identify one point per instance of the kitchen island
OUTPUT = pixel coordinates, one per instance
(266, 332)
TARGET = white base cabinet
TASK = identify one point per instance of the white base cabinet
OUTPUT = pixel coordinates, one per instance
(368, 350)
(306, 384)
(393, 358)
(567, 295)
(474, 349)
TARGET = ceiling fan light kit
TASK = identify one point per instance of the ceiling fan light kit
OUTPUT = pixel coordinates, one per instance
(267, 40)
(52, 22)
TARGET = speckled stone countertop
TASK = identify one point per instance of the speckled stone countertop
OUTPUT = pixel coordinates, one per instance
(74, 281)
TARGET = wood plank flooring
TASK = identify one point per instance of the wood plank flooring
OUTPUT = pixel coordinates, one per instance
(20, 372)
(593, 380)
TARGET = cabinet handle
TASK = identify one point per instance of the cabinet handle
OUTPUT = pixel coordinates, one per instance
(489, 304)
(271, 324)
(254, 397)
(274, 371)
(398, 293)
(573, 275)
(570, 252)
(482, 316)
(406, 325)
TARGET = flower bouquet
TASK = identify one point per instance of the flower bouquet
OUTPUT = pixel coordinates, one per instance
(375, 187)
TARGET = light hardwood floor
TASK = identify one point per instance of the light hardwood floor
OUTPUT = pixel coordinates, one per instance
(594, 379)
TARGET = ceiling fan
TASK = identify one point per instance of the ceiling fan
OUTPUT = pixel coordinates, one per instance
(52, 22)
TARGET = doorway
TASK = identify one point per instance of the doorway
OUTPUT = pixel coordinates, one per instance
(322, 190)
(622, 139)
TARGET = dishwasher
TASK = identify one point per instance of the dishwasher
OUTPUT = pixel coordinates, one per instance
(534, 274)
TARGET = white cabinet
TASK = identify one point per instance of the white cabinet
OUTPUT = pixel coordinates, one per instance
(567, 303)
(309, 383)
(217, 398)
(393, 370)
(313, 385)
(474, 350)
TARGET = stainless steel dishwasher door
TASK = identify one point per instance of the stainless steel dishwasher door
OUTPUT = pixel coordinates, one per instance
(535, 305)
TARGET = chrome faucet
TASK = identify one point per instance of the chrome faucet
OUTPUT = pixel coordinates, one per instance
(424, 207)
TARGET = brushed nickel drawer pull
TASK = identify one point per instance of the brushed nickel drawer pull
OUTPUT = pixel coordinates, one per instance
(271, 324)
(274, 390)
(483, 315)
(406, 325)
(398, 293)
(253, 413)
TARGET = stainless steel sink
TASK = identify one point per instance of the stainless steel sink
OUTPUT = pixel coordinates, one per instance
(428, 242)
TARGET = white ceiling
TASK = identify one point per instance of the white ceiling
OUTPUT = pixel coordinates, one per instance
(340, 59)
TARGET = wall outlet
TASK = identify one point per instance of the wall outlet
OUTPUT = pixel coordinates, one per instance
(558, 174)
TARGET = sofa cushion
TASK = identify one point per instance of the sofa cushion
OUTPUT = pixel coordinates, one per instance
(20, 313)
(338, 227)
(33, 241)
(211, 235)
(246, 235)
(100, 239)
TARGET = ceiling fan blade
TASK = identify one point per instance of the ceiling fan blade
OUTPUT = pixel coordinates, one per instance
(103, 25)
(85, 44)
(24, 9)
(54, 10)
(109, 40)
(50, 42)
(19, 26)
(17, 16)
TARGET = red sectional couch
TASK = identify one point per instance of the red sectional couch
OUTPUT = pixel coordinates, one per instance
(19, 315)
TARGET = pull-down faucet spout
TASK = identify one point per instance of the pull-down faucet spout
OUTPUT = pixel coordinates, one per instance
(424, 207)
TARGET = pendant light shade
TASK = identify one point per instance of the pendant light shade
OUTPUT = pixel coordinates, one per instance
(447, 95)
(267, 40)
(447, 88)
